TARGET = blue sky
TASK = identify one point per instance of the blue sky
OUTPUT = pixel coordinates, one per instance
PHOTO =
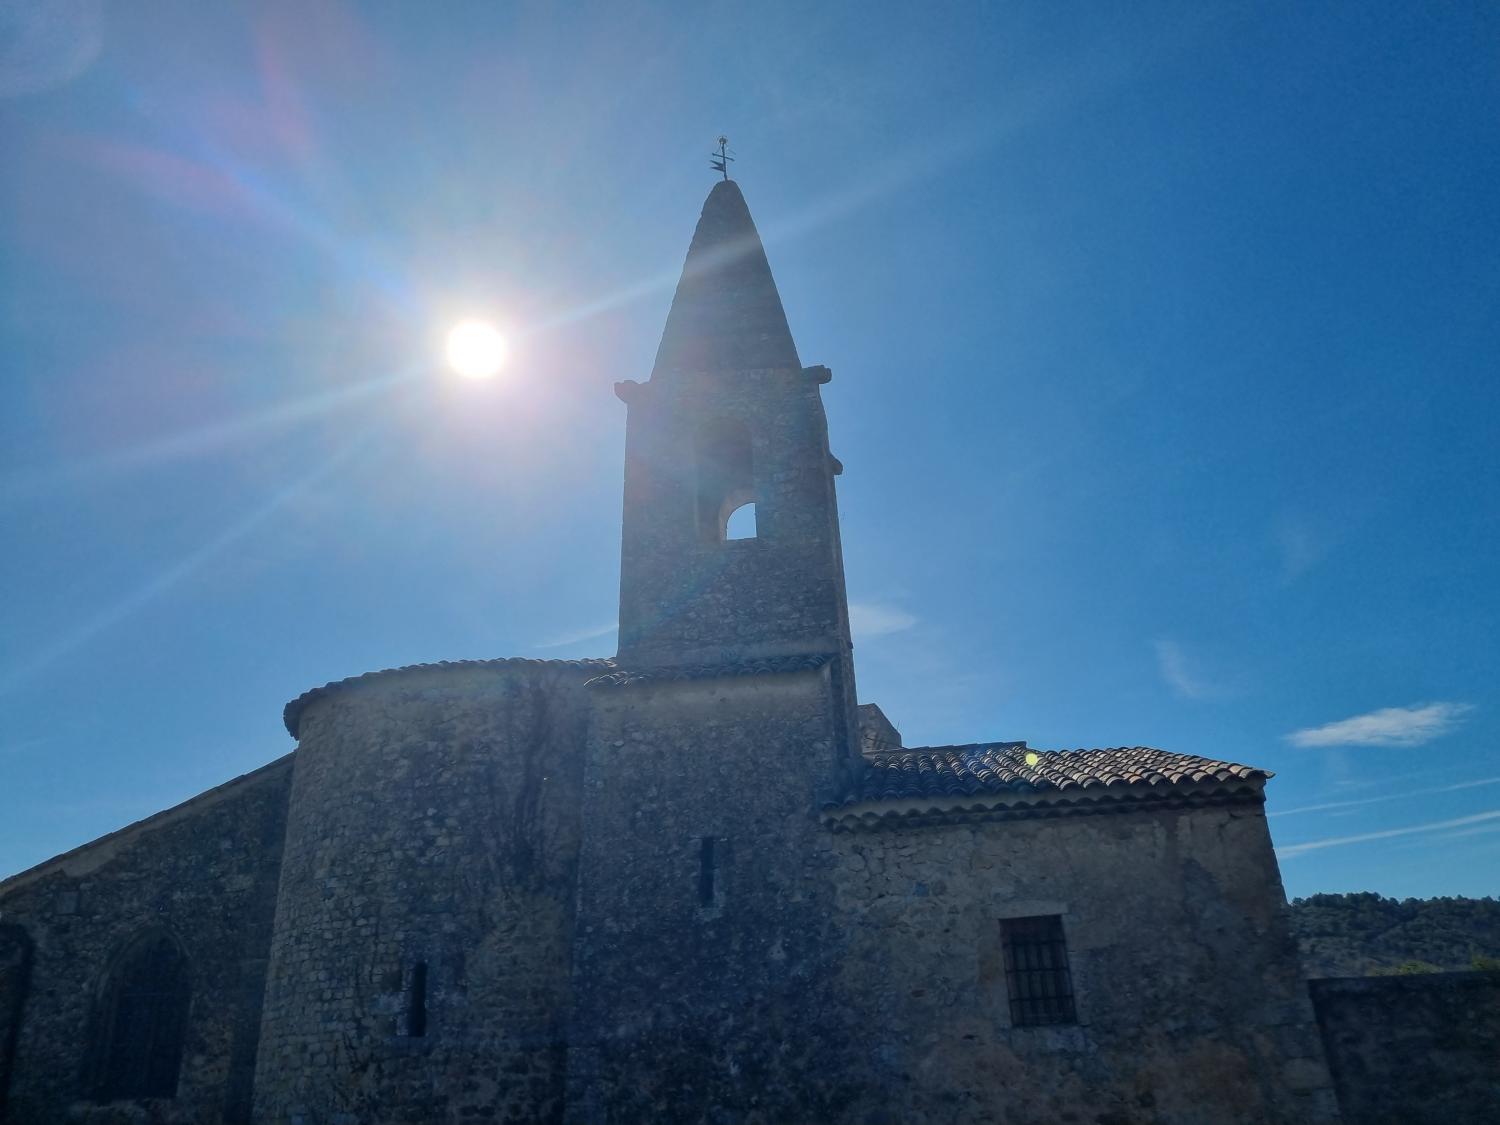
(1164, 342)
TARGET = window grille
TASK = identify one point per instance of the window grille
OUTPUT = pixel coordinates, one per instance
(143, 1024)
(1036, 971)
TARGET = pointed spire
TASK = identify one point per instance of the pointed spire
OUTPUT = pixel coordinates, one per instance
(726, 314)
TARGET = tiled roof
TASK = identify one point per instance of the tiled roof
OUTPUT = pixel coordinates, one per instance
(1009, 777)
(624, 677)
(292, 714)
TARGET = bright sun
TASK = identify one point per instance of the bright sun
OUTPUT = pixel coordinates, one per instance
(476, 350)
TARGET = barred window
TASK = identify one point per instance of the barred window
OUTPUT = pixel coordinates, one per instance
(1036, 971)
(143, 1022)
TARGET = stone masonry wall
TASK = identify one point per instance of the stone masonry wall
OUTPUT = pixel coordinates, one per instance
(1190, 1006)
(684, 599)
(858, 977)
(709, 1000)
(206, 873)
(1413, 1050)
(433, 822)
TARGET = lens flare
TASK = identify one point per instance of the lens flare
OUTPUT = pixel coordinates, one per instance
(476, 350)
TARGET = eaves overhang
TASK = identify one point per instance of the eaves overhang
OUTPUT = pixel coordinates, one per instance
(923, 812)
(291, 715)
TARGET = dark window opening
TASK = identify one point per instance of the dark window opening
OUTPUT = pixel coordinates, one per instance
(416, 1002)
(1036, 971)
(143, 1023)
(707, 870)
(15, 982)
(726, 481)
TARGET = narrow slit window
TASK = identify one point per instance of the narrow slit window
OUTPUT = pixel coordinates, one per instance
(416, 1003)
(708, 864)
(1036, 971)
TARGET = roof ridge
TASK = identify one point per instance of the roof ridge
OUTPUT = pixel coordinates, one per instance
(988, 771)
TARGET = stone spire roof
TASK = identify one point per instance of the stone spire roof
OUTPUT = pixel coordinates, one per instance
(726, 314)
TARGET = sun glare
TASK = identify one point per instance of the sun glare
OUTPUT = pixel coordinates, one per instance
(476, 350)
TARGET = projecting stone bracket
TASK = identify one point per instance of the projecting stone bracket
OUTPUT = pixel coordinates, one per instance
(818, 373)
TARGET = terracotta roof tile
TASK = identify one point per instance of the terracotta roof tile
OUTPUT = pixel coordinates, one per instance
(994, 767)
(916, 782)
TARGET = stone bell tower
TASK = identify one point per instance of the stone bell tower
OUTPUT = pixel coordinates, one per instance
(705, 973)
(730, 418)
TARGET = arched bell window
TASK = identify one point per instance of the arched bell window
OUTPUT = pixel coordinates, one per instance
(726, 482)
(142, 1021)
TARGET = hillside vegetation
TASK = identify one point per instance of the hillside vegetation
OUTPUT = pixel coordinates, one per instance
(1365, 934)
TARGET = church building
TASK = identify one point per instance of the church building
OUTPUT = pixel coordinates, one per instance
(695, 882)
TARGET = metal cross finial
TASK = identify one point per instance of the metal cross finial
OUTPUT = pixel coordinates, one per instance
(721, 160)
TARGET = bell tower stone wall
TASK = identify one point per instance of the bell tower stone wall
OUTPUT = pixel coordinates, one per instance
(690, 595)
(729, 417)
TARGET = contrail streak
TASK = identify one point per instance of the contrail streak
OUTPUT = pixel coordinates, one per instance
(177, 571)
(1340, 841)
(30, 483)
(1388, 797)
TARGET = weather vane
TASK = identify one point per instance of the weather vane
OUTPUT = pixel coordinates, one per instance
(721, 160)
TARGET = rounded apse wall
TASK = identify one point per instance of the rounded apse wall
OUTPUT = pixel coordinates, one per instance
(419, 963)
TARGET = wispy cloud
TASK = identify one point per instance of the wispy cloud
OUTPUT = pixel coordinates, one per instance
(580, 636)
(1184, 675)
(871, 619)
(1390, 726)
(1301, 545)
(1387, 797)
(1362, 837)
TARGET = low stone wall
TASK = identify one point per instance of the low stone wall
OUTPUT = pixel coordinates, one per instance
(1413, 1050)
